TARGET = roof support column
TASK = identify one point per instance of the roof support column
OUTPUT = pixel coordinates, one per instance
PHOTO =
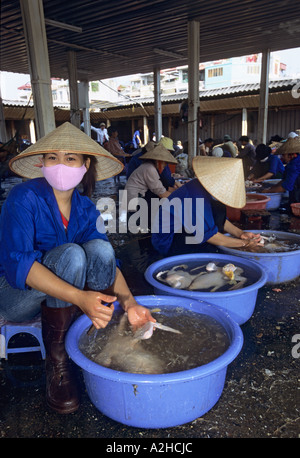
(157, 105)
(84, 103)
(263, 98)
(3, 132)
(244, 121)
(193, 91)
(73, 86)
(37, 51)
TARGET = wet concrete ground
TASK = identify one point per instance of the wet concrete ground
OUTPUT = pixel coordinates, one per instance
(261, 393)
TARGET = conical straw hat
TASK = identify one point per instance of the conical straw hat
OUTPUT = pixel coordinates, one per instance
(223, 178)
(292, 145)
(159, 153)
(70, 139)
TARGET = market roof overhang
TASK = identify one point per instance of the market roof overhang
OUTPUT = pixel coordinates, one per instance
(121, 37)
(211, 101)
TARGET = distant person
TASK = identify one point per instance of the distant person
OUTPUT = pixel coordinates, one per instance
(205, 147)
(247, 154)
(101, 133)
(136, 140)
(290, 153)
(229, 146)
(267, 165)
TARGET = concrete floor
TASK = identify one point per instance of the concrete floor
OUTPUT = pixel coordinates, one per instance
(261, 393)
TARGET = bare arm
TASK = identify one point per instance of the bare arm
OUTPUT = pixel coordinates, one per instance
(239, 238)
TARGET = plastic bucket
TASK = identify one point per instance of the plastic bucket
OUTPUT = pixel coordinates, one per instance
(238, 304)
(279, 267)
(160, 400)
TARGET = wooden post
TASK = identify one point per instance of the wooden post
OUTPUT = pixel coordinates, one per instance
(37, 50)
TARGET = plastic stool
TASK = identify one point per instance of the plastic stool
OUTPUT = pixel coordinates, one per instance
(9, 329)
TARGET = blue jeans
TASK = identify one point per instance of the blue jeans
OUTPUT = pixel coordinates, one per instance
(91, 264)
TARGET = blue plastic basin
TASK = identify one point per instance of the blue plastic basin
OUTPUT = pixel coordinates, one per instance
(239, 304)
(275, 200)
(280, 267)
(158, 400)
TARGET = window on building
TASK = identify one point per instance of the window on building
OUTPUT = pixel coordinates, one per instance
(213, 72)
(253, 69)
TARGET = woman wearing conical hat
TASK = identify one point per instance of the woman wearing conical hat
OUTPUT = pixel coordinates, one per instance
(194, 217)
(290, 153)
(54, 256)
(145, 181)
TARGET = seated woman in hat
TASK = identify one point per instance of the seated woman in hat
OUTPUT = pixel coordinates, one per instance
(194, 216)
(290, 153)
(145, 181)
(267, 165)
(54, 254)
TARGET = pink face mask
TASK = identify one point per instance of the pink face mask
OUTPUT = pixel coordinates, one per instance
(63, 178)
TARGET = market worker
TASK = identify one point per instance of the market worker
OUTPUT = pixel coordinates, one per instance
(219, 182)
(290, 154)
(53, 258)
(145, 181)
(267, 165)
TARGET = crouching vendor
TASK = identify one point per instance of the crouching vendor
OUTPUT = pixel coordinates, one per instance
(53, 259)
(193, 218)
(290, 153)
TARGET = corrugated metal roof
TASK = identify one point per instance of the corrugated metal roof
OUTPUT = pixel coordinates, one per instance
(280, 95)
(218, 93)
(118, 37)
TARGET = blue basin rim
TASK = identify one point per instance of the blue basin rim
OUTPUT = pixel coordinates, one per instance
(268, 233)
(206, 257)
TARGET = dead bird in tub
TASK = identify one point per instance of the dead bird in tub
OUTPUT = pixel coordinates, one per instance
(212, 278)
(124, 352)
(178, 277)
(227, 275)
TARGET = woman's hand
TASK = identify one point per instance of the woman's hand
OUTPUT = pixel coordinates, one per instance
(92, 303)
(138, 316)
(250, 235)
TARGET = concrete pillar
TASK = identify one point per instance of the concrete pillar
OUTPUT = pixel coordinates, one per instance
(157, 105)
(244, 122)
(84, 104)
(73, 86)
(193, 91)
(145, 130)
(32, 131)
(37, 50)
(3, 132)
(263, 98)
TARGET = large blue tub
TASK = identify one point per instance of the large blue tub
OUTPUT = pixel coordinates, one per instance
(160, 400)
(239, 304)
(280, 267)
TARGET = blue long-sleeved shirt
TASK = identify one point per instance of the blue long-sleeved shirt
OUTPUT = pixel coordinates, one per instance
(31, 224)
(193, 190)
(275, 165)
(291, 174)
